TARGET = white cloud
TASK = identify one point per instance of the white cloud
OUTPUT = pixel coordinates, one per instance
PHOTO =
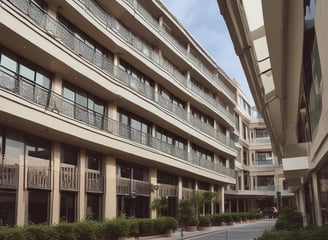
(203, 20)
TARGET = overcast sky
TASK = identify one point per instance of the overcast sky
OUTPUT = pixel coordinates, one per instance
(203, 20)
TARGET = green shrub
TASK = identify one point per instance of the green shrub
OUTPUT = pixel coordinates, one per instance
(204, 221)
(65, 231)
(187, 212)
(236, 217)
(227, 217)
(39, 232)
(15, 233)
(116, 228)
(145, 226)
(159, 225)
(289, 219)
(134, 227)
(170, 223)
(86, 230)
(217, 219)
(280, 235)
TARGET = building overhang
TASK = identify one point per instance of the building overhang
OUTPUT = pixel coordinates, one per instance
(294, 169)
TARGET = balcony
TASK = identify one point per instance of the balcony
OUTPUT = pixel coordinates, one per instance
(176, 45)
(56, 103)
(167, 190)
(187, 193)
(9, 176)
(262, 140)
(94, 181)
(124, 186)
(38, 178)
(60, 32)
(69, 178)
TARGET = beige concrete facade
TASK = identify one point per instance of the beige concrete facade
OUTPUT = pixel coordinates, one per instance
(294, 52)
(103, 111)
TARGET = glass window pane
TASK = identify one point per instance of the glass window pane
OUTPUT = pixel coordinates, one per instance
(69, 94)
(136, 124)
(81, 98)
(8, 63)
(26, 72)
(42, 80)
(68, 155)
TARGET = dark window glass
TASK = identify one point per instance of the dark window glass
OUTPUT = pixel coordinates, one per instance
(94, 160)
(69, 155)
(38, 149)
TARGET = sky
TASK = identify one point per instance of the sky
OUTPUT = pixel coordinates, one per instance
(202, 18)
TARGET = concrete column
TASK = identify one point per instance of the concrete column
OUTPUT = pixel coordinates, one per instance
(109, 201)
(237, 203)
(112, 110)
(81, 196)
(317, 205)
(301, 201)
(212, 203)
(180, 188)
(156, 92)
(57, 85)
(221, 198)
(55, 194)
(188, 111)
(153, 193)
(22, 194)
(242, 183)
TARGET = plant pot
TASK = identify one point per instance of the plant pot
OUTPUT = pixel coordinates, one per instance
(204, 228)
(168, 233)
(230, 223)
(191, 228)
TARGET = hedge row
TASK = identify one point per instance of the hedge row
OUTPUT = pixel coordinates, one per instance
(90, 230)
(318, 233)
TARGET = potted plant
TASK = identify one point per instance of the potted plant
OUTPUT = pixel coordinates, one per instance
(228, 219)
(159, 204)
(191, 224)
(170, 225)
(204, 223)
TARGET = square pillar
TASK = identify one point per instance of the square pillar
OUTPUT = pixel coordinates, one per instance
(109, 200)
(55, 194)
(221, 198)
(81, 196)
(317, 205)
(153, 192)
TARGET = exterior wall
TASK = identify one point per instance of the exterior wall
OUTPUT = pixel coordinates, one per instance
(77, 191)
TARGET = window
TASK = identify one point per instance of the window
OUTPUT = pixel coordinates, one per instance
(94, 160)
(134, 127)
(84, 106)
(35, 81)
(134, 171)
(202, 116)
(237, 122)
(311, 103)
(202, 88)
(171, 98)
(202, 153)
(38, 149)
(85, 45)
(263, 157)
(170, 138)
(166, 178)
(245, 131)
(261, 133)
(67, 206)
(136, 74)
(69, 155)
(265, 180)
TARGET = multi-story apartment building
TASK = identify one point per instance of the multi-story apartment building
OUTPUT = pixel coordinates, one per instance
(260, 180)
(105, 106)
(282, 46)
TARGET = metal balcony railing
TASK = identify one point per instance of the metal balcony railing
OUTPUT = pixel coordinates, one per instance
(56, 103)
(177, 45)
(105, 62)
(167, 190)
(39, 178)
(9, 176)
(69, 178)
(136, 188)
(94, 181)
(187, 193)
